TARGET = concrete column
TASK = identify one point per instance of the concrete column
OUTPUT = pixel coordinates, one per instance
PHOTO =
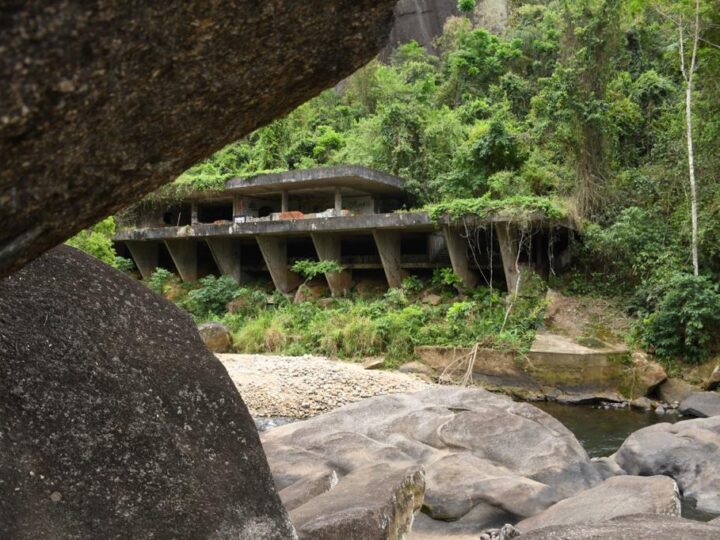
(328, 249)
(507, 238)
(193, 213)
(284, 201)
(388, 246)
(274, 251)
(145, 255)
(226, 252)
(458, 251)
(338, 200)
(184, 255)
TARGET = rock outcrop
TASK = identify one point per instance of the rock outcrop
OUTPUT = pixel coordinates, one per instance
(487, 459)
(688, 452)
(701, 404)
(616, 497)
(639, 527)
(102, 102)
(115, 419)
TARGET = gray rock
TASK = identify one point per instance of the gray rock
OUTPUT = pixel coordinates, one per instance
(307, 488)
(674, 390)
(660, 410)
(713, 380)
(688, 452)
(715, 522)
(489, 460)
(116, 419)
(615, 497)
(102, 102)
(216, 337)
(417, 368)
(376, 502)
(638, 527)
(701, 404)
(607, 467)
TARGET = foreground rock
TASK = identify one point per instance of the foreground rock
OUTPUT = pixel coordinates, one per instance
(216, 337)
(688, 451)
(701, 404)
(639, 527)
(102, 102)
(616, 497)
(488, 460)
(116, 420)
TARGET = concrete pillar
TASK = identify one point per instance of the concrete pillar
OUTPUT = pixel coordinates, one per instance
(338, 200)
(507, 239)
(284, 201)
(388, 246)
(226, 252)
(274, 251)
(193, 213)
(328, 249)
(458, 250)
(145, 255)
(184, 255)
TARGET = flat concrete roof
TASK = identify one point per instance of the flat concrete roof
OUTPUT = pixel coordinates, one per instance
(353, 177)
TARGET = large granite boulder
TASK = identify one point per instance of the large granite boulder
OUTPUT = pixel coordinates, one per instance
(615, 497)
(701, 404)
(688, 452)
(102, 102)
(638, 527)
(115, 419)
(488, 460)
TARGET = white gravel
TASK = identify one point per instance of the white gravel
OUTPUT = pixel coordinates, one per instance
(304, 386)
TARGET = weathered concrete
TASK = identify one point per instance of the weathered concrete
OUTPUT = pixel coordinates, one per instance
(274, 251)
(184, 255)
(145, 255)
(328, 249)
(228, 256)
(102, 102)
(457, 249)
(388, 246)
(507, 239)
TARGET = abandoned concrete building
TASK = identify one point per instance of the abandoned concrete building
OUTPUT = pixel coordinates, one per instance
(256, 228)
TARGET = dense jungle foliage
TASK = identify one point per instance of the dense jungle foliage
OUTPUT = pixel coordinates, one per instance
(577, 104)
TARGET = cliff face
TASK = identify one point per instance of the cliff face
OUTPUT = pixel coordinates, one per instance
(423, 20)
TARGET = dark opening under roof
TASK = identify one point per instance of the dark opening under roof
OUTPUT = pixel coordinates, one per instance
(354, 177)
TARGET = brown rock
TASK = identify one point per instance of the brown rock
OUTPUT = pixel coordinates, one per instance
(713, 380)
(102, 102)
(374, 363)
(117, 422)
(307, 488)
(673, 391)
(418, 368)
(216, 337)
(647, 375)
(311, 291)
(431, 299)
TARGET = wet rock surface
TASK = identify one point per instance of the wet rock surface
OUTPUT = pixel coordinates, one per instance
(688, 452)
(487, 459)
(115, 419)
(615, 497)
(639, 527)
(102, 102)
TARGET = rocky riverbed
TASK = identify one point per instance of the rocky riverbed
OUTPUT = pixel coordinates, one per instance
(300, 387)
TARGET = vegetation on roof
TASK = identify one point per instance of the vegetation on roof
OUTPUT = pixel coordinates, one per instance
(514, 208)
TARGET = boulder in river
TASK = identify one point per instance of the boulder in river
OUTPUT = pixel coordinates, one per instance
(701, 404)
(637, 527)
(216, 337)
(115, 419)
(488, 460)
(615, 497)
(688, 452)
(673, 391)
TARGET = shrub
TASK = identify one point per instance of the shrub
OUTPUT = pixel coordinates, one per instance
(251, 337)
(466, 6)
(685, 320)
(445, 278)
(161, 279)
(411, 285)
(311, 269)
(212, 295)
(124, 264)
(97, 241)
